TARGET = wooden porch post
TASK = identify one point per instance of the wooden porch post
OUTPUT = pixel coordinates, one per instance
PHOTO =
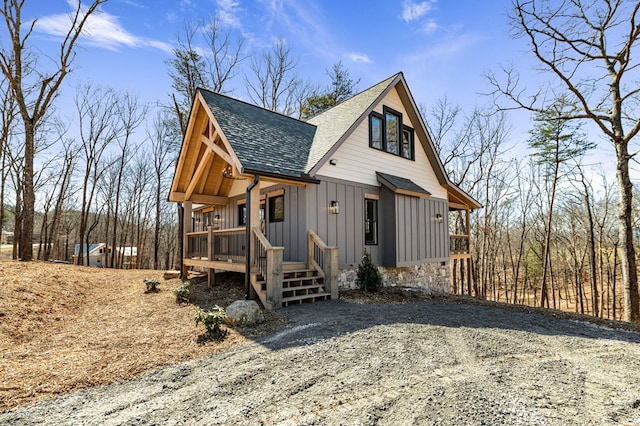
(211, 274)
(186, 226)
(470, 280)
(274, 275)
(331, 271)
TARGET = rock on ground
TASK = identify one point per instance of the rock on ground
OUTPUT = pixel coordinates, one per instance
(245, 313)
(426, 363)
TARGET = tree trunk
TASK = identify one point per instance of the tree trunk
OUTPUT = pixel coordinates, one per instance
(615, 276)
(625, 232)
(17, 223)
(592, 252)
(28, 196)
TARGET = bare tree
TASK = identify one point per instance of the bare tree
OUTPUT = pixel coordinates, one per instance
(130, 115)
(522, 198)
(223, 54)
(68, 167)
(97, 120)
(186, 69)
(165, 143)
(275, 84)
(7, 116)
(588, 49)
(34, 90)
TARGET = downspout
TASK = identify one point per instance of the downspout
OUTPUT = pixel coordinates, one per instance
(248, 236)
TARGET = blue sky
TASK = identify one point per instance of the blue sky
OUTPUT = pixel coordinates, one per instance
(443, 47)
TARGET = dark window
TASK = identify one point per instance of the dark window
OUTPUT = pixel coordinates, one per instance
(375, 130)
(276, 209)
(387, 133)
(392, 131)
(370, 221)
(242, 214)
(407, 143)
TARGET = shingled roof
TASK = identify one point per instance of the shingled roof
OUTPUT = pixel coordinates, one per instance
(401, 185)
(263, 141)
(336, 123)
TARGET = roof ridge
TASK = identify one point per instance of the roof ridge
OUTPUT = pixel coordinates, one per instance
(202, 89)
(389, 79)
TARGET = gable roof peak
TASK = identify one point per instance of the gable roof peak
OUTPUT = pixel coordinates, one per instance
(334, 124)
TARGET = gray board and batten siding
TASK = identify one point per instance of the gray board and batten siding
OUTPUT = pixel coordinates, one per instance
(408, 233)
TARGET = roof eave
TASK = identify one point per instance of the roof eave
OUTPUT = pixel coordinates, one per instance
(305, 178)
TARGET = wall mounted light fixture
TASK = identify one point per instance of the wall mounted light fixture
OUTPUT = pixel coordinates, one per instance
(438, 218)
(335, 207)
(216, 220)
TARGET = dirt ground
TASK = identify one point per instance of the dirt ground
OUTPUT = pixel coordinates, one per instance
(64, 328)
(415, 361)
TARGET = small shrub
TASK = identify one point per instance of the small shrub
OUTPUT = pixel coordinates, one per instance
(182, 292)
(212, 320)
(368, 277)
(152, 285)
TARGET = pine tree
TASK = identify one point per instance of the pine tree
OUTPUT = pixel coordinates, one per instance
(368, 278)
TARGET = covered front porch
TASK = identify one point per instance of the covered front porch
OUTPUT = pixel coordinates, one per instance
(269, 277)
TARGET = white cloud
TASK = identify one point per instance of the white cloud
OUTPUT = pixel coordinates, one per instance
(101, 30)
(358, 57)
(412, 11)
(430, 26)
(228, 12)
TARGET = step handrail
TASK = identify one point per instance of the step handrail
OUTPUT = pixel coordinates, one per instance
(324, 259)
(268, 260)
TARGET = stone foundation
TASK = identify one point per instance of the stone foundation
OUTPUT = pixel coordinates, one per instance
(431, 277)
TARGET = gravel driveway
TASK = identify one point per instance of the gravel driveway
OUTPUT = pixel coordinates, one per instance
(423, 363)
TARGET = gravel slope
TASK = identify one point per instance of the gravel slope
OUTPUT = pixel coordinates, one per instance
(340, 362)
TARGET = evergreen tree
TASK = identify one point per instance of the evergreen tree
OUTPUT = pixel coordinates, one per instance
(342, 87)
(368, 277)
(554, 141)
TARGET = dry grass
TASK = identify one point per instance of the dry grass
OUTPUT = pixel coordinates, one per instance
(63, 327)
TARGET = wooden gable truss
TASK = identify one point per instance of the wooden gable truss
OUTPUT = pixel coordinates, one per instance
(207, 162)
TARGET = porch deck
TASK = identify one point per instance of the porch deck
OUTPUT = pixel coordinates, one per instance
(276, 282)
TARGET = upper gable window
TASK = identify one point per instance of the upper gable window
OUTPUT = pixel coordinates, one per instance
(407, 142)
(387, 133)
(375, 130)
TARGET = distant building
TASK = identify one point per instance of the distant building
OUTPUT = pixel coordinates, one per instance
(97, 254)
(6, 237)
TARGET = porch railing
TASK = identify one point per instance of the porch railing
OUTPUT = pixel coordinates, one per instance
(324, 259)
(459, 244)
(228, 244)
(220, 244)
(197, 244)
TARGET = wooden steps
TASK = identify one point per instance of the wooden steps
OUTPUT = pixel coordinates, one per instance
(299, 285)
(302, 286)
